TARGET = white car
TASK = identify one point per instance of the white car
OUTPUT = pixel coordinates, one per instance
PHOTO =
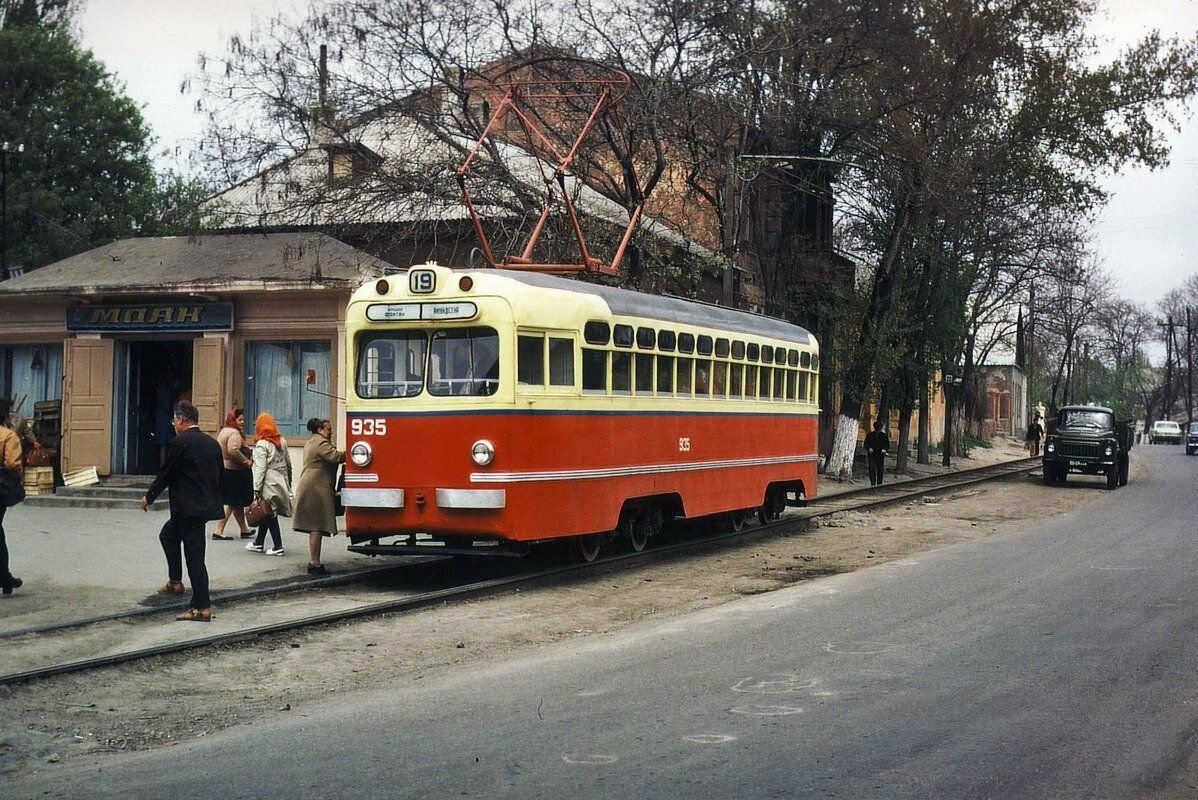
(1164, 430)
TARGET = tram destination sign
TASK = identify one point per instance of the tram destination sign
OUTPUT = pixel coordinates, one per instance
(409, 312)
(151, 317)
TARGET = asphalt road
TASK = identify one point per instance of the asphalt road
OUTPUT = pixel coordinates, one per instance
(1060, 660)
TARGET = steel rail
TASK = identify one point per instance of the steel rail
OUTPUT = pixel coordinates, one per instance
(857, 499)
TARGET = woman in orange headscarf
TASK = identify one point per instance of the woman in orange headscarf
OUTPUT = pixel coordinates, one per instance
(272, 482)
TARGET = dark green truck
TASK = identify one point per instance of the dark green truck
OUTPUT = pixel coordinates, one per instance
(1087, 440)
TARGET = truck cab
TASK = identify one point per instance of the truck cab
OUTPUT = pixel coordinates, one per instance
(1087, 440)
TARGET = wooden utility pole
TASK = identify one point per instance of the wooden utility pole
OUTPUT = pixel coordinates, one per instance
(1189, 370)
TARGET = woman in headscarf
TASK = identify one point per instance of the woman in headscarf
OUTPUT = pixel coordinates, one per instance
(315, 507)
(272, 482)
(236, 479)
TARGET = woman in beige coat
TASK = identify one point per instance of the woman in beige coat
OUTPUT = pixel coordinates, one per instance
(315, 511)
(272, 482)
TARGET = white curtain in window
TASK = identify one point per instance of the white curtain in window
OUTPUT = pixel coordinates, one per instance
(269, 383)
(36, 374)
(313, 356)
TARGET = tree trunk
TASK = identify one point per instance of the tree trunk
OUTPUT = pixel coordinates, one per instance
(844, 442)
(904, 440)
(923, 453)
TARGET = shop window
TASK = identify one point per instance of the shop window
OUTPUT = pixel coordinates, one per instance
(561, 361)
(275, 383)
(594, 370)
(530, 359)
(32, 374)
(621, 373)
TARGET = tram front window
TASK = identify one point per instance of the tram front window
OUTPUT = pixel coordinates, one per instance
(464, 361)
(391, 364)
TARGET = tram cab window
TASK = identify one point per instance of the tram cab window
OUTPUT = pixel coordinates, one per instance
(644, 373)
(665, 374)
(596, 332)
(684, 376)
(561, 361)
(622, 336)
(530, 359)
(464, 361)
(391, 364)
(719, 378)
(594, 370)
(621, 373)
(734, 383)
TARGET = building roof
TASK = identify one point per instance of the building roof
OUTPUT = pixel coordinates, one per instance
(207, 262)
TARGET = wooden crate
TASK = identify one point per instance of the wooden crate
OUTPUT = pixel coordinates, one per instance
(81, 477)
(39, 480)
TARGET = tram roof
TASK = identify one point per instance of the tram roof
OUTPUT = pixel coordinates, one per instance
(627, 302)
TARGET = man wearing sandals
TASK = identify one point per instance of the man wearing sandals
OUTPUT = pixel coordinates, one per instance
(192, 473)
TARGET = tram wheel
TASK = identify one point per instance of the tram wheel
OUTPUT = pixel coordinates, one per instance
(586, 548)
(738, 519)
(771, 509)
(638, 535)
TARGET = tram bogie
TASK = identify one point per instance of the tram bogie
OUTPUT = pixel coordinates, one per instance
(490, 410)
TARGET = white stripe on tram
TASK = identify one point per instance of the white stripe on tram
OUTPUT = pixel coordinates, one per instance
(621, 472)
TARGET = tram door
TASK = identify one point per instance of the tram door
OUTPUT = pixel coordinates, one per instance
(151, 376)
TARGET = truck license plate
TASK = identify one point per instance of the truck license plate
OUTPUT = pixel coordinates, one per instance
(1077, 463)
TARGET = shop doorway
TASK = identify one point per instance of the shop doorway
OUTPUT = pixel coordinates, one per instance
(151, 376)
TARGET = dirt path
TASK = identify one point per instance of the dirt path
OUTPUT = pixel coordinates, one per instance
(158, 702)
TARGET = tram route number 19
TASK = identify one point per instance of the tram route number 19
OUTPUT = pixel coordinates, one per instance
(368, 427)
(684, 444)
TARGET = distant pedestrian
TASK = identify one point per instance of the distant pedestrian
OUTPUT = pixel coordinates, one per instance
(10, 461)
(192, 474)
(1035, 432)
(236, 479)
(315, 505)
(272, 482)
(876, 445)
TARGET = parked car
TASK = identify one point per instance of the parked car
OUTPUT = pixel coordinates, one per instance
(1192, 438)
(1164, 430)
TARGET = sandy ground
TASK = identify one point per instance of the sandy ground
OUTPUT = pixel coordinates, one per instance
(159, 702)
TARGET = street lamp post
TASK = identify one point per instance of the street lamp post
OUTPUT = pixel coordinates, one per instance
(5, 149)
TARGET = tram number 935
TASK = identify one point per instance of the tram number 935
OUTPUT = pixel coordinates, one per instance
(684, 444)
(368, 427)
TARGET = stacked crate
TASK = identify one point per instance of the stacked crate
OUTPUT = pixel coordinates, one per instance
(39, 480)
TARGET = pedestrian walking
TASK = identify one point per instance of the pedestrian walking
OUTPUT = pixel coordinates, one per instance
(1035, 432)
(315, 504)
(191, 472)
(272, 482)
(876, 445)
(10, 462)
(236, 478)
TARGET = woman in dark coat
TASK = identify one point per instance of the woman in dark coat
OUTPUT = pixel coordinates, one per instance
(315, 511)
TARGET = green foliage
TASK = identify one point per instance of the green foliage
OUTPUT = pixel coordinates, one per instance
(85, 176)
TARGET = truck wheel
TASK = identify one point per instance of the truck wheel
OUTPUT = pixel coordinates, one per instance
(1062, 475)
(1049, 475)
(1189, 451)
(1124, 468)
(1112, 477)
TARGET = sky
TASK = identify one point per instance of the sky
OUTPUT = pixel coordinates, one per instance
(1147, 238)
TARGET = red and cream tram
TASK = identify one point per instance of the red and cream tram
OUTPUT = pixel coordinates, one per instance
(490, 409)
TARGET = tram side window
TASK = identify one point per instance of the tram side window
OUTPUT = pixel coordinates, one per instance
(594, 370)
(738, 350)
(805, 360)
(644, 373)
(621, 373)
(622, 336)
(665, 374)
(561, 361)
(702, 376)
(464, 361)
(722, 348)
(750, 381)
(684, 376)
(530, 359)
(734, 384)
(391, 364)
(804, 384)
(719, 378)
(763, 384)
(779, 383)
(791, 377)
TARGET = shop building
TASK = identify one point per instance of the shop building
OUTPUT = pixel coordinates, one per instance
(121, 332)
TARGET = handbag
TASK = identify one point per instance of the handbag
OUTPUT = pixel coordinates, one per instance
(40, 457)
(258, 511)
(12, 489)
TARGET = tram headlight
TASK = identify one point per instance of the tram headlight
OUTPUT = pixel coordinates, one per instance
(361, 454)
(483, 452)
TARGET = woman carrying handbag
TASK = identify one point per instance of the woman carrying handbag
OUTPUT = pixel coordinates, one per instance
(13, 490)
(315, 499)
(272, 482)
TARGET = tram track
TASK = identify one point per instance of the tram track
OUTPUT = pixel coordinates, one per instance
(356, 604)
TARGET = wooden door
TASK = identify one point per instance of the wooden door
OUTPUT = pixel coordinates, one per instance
(87, 405)
(208, 383)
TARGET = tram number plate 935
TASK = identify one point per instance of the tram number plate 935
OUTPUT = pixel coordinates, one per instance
(368, 426)
(684, 444)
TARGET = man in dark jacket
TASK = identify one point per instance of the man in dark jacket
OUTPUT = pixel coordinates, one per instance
(876, 445)
(192, 473)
